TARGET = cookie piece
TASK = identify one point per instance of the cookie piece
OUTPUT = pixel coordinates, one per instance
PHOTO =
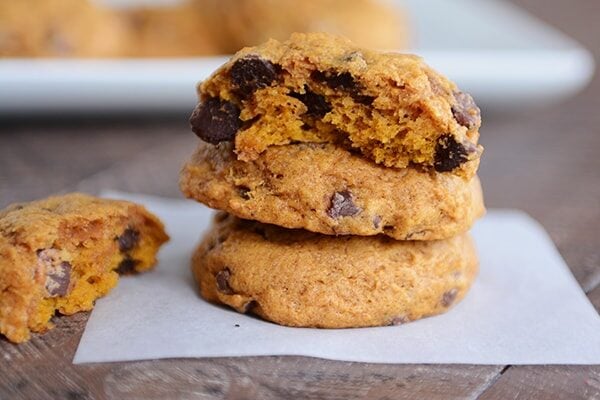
(59, 28)
(298, 278)
(321, 88)
(368, 23)
(324, 188)
(62, 253)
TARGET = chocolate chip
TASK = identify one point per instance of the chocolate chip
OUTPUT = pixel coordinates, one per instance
(244, 192)
(465, 111)
(216, 121)
(58, 279)
(399, 320)
(343, 81)
(363, 99)
(55, 272)
(222, 279)
(342, 205)
(249, 306)
(315, 103)
(449, 297)
(376, 221)
(449, 154)
(127, 266)
(128, 240)
(251, 73)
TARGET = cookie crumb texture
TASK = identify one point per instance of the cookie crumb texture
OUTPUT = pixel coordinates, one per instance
(321, 88)
(298, 278)
(324, 188)
(60, 254)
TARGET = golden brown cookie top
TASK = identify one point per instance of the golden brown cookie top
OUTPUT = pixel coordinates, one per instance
(319, 87)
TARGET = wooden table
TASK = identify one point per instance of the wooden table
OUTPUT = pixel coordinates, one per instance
(545, 162)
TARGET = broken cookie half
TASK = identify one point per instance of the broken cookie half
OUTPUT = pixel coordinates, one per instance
(60, 254)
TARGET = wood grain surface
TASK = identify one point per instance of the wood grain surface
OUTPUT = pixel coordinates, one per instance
(545, 161)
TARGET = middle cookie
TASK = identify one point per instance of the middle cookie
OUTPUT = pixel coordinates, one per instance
(326, 189)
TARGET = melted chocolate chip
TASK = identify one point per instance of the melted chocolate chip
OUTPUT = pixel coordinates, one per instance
(55, 272)
(58, 279)
(249, 306)
(449, 154)
(216, 121)
(363, 99)
(222, 279)
(465, 111)
(343, 81)
(449, 297)
(342, 205)
(251, 73)
(128, 240)
(315, 103)
(127, 266)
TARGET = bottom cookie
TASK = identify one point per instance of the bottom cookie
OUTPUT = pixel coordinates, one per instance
(304, 279)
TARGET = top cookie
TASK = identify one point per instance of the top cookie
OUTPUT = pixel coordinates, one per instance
(321, 88)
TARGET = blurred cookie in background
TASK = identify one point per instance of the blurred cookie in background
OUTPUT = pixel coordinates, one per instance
(59, 28)
(88, 28)
(368, 23)
(169, 31)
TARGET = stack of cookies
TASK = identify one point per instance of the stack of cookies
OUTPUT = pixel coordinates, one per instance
(347, 184)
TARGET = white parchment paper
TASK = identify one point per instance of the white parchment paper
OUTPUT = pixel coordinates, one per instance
(525, 308)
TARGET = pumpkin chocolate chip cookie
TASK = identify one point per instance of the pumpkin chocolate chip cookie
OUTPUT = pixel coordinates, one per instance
(327, 189)
(298, 278)
(369, 23)
(62, 253)
(320, 88)
(60, 28)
